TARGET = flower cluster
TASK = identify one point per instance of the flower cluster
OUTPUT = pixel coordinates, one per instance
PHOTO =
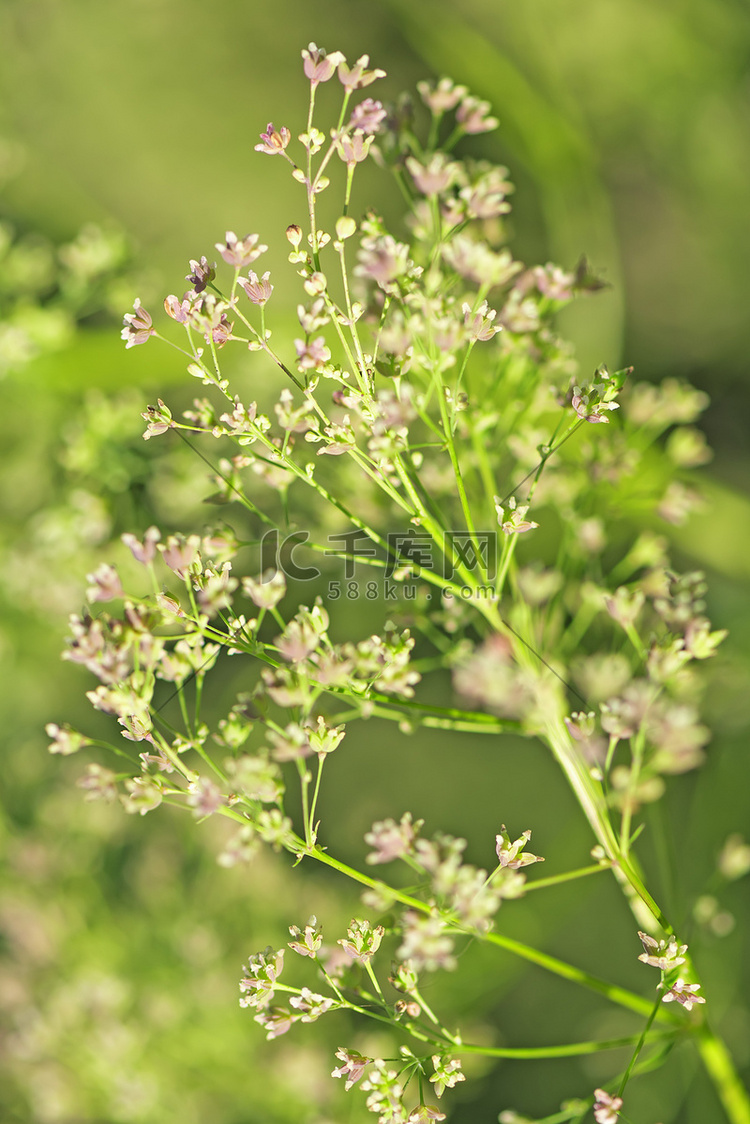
(435, 431)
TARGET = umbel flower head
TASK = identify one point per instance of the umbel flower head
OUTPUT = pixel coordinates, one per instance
(684, 994)
(662, 954)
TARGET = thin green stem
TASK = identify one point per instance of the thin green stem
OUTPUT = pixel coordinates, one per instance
(613, 992)
(639, 1046)
(569, 876)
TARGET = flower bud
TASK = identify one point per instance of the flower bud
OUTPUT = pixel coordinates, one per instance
(294, 234)
(345, 227)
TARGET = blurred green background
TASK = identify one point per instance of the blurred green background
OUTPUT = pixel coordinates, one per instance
(626, 126)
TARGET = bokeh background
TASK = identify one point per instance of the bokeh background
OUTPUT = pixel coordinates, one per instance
(126, 147)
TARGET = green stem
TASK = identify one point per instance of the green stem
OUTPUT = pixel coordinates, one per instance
(613, 992)
(720, 1067)
(569, 1050)
(638, 1047)
(558, 879)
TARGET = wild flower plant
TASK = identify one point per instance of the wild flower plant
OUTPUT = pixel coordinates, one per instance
(429, 428)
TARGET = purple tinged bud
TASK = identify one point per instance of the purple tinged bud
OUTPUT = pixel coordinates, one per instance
(202, 273)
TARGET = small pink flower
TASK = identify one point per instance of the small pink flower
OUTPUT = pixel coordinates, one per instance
(683, 993)
(178, 309)
(516, 523)
(320, 67)
(159, 418)
(311, 1004)
(181, 553)
(479, 324)
(368, 116)
(423, 1113)
(354, 148)
(606, 1107)
(258, 289)
(353, 1066)
(136, 728)
(138, 326)
(391, 840)
(222, 331)
(356, 77)
(590, 413)
(434, 177)
(276, 1022)
(204, 797)
(143, 551)
(473, 116)
(309, 941)
(441, 97)
(312, 355)
(274, 140)
(664, 955)
(105, 584)
(510, 855)
(240, 252)
(553, 282)
(65, 739)
(383, 260)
